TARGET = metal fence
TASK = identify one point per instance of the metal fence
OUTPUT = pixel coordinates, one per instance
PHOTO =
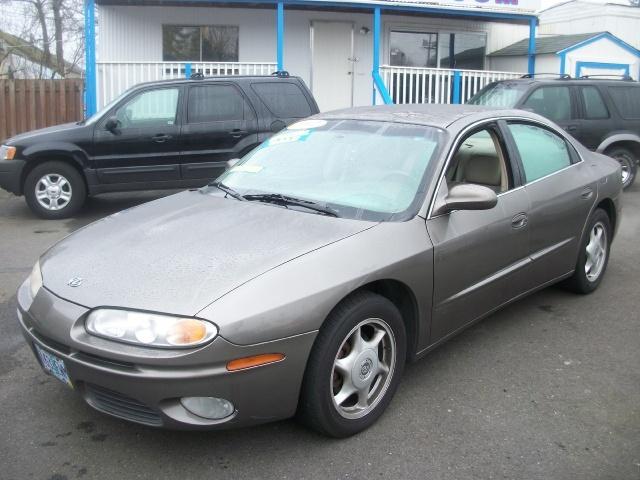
(437, 85)
(115, 77)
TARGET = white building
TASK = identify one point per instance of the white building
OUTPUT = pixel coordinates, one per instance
(410, 50)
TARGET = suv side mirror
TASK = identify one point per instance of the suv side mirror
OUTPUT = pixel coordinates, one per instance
(467, 196)
(112, 124)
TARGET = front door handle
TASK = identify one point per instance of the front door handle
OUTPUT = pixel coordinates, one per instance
(237, 133)
(161, 138)
(587, 193)
(519, 221)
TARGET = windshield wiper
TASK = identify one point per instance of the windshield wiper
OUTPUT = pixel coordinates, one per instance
(285, 200)
(228, 190)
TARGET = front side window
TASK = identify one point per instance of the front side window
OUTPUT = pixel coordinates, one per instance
(151, 108)
(413, 49)
(207, 43)
(480, 160)
(541, 151)
(594, 106)
(362, 169)
(216, 103)
(551, 102)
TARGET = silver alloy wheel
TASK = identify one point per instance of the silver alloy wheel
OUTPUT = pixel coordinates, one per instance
(53, 191)
(596, 252)
(363, 368)
(626, 164)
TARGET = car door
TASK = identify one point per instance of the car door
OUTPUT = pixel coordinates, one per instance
(557, 103)
(220, 124)
(561, 193)
(144, 145)
(595, 118)
(479, 255)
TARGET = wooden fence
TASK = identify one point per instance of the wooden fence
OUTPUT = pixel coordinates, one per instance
(29, 104)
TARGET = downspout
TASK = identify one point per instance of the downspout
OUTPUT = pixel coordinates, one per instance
(375, 73)
(280, 36)
(90, 100)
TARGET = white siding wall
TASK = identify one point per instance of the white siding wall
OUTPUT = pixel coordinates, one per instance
(129, 33)
(602, 51)
(585, 17)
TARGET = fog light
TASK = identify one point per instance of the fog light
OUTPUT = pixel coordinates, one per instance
(208, 407)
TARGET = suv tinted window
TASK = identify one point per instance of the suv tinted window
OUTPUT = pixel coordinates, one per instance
(551, 102)
(626, 100)
(151, 108)
(541, 151)
(594, 106)
(215, 103)
(283, 99)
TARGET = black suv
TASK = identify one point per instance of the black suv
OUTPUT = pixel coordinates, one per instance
(168, 134)
(602, 114)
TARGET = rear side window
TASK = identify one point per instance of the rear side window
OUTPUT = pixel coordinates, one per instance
(594, 106)
(283, 99)
(216, 103)
(551, 102)
(626, 100)
(541, 151)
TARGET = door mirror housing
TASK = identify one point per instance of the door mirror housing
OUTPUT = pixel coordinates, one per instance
(467, 196)
(112, 124)
(231, 163)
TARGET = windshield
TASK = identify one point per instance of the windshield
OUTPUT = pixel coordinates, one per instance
(96, 116)
(500, 94)
(359, 169)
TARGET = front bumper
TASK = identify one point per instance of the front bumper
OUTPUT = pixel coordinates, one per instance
(11, 175)
(145, 385)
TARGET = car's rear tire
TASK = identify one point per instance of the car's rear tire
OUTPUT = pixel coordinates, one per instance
(54, 190)
(629, 164)
(593, 256)
(354, 367)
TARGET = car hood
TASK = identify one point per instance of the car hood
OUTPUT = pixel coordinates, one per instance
(180, 253)
(42, 132)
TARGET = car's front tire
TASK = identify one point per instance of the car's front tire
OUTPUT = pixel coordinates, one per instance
(54, 190)
(354, 367)
(593, 256)
(628, 162)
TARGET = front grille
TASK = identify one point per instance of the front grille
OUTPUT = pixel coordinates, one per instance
(118, 405)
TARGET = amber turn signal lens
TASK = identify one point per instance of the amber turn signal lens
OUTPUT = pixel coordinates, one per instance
(255, 361)
(186, 332)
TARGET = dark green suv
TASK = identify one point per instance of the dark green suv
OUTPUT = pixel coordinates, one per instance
(602, 114)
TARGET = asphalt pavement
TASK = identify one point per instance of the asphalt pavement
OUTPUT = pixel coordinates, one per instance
(548, 388)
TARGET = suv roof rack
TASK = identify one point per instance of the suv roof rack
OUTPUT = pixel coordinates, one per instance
(281, 74)
(561, 76)
(604, 76)
(196, 76)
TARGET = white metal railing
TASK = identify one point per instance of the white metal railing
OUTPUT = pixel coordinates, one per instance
(115, 77)
(437, 85)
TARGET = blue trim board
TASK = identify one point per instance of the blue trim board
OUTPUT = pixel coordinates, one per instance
(187, 70)
(378, 84)
(90, 88)
(382, 88)
(602, 35)
(457, 80)
(280, 36)
(607, 66)
(563, 61)
(531, 56)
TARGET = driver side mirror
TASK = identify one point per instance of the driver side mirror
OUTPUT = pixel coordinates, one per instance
(112, 124)
(467, 196)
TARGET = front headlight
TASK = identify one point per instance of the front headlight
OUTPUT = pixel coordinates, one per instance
(150, 329)
(35, 280)
(7, 152)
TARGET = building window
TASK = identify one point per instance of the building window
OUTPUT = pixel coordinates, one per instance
(209, 43)
(413, 49)
(462, 50)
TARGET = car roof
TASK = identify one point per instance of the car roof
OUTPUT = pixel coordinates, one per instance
(572, 81)
(217, 78)
(434, 115)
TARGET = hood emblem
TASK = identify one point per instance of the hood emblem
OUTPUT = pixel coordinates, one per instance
(75, 282)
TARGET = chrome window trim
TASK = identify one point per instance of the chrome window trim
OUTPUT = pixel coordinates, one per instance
(462, 133)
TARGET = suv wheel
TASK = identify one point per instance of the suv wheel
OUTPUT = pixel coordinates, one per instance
(629, 164)
(54, 190)
(354, 367)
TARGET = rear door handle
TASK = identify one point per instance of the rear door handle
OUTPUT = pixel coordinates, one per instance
(161, 138)
(237, 133)
(587, 193)
(519, 221)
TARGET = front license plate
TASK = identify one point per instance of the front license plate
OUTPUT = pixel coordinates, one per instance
(53, 365)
